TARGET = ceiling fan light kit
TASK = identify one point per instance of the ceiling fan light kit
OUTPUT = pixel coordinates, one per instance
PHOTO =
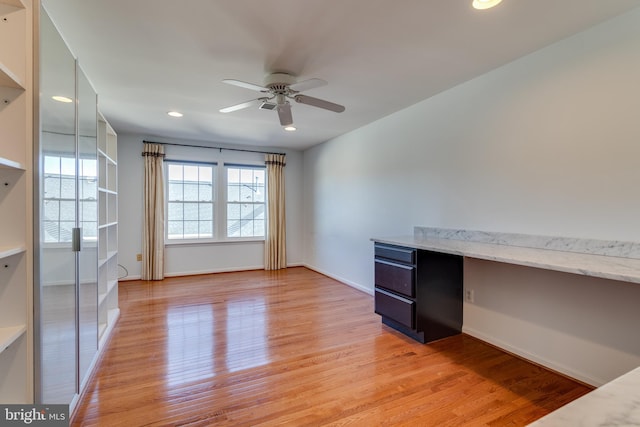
(279, 88)
(485, 4)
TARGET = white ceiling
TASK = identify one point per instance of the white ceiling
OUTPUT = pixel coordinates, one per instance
(146, 57)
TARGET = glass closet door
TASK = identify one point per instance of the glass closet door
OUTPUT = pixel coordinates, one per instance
(57, 294)
(88, 222)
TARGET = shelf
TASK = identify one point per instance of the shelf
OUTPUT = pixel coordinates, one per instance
(6, 252)
(9, 334)
(107, 157)
(102, 298)
(15, 3)
(10, 164)
(8, 78)
(112, 284)
(103, 261)
(107, 225)
(104, 190)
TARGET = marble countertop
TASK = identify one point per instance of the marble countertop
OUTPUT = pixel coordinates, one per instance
(616, 403)
(607, 267)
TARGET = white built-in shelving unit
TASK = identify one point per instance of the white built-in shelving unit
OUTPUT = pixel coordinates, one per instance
(108, 310)
(16, 206)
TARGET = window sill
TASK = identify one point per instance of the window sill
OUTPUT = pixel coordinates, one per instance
(169, 243)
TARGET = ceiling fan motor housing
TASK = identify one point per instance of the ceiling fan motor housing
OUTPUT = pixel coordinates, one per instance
(279, 81)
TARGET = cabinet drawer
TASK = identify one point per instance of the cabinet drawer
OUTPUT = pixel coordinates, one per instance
(395, 307)
(396, 253)
(396, 277)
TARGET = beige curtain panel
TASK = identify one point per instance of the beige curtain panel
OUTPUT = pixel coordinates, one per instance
(153, 229)
(275, 251)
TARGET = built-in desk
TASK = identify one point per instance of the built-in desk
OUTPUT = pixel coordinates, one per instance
(568, 261)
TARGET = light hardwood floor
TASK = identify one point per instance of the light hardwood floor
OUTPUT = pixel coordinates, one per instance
(296, 348)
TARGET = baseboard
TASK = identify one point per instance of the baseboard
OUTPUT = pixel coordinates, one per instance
(213, 271)
(208, 271)
(340, 279)
(534, 358)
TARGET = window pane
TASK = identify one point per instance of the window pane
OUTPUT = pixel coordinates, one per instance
(191, 229)
(233, 176)
(233, 211)
(65, 230)
(205, 174)
(190, 212)
(206, 211)
(233, 192)
(89, 231)
(68, 188)
(88, 189)
(258, 196)
(89, 211)
(68, 166)
(52, 165)
(205, 192)
(247, 211)
(175, 191)
(246, 228)
(50, 231)
(258, 213)
(67, 211)
(190, 191)
(190, 173)
(246, 193)
(175, 229)
(51, 187)
(246, 176)
(174, 211)
(175, 172)
(51, 210)
(258, 228)
(233, 228)
(206, 228)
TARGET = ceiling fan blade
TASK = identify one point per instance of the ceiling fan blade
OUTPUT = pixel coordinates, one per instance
(284, 113)
(254, 102)
(320, 103)
(307, 84)
(246, 85)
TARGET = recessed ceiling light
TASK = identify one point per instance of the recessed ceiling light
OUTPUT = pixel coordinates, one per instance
(175, 114)
(290, 128)
(60, 98)
(485, 4)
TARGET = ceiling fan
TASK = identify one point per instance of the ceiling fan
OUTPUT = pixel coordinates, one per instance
(278, 89)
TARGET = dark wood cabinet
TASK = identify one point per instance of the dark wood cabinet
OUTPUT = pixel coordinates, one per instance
(418, 292)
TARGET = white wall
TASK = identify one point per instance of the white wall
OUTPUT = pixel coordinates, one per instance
(548, 144)
(198, 258)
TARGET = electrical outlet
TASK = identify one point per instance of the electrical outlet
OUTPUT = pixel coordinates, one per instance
(469, 296)
(139, 257)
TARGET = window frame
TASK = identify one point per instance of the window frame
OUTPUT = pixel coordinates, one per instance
(223, 224)
(214, 201)
(220, 198)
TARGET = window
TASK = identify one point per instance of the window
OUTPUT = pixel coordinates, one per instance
(245, 201)
(60, 198)
(192, 212)
(190, 201)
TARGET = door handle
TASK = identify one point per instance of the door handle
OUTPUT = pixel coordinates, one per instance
(76, 239)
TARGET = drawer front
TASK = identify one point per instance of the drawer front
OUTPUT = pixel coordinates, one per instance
(396, 253)
(395, 307)
(396, 277)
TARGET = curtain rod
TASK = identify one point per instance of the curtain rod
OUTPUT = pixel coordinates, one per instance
(214, 148)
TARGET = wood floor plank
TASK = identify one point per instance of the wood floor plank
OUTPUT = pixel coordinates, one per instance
(296, 348)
